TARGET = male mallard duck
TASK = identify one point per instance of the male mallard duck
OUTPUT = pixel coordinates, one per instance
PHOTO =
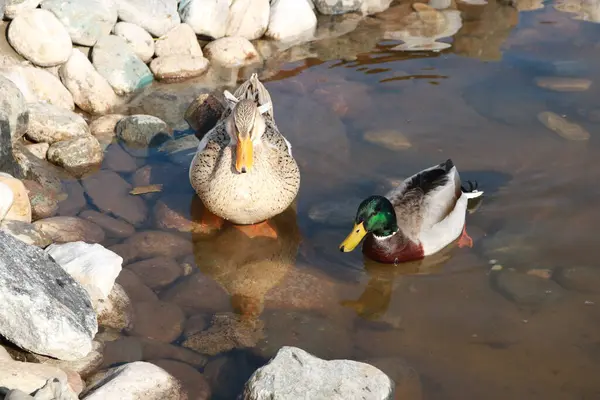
(418, 218)
(243, 170)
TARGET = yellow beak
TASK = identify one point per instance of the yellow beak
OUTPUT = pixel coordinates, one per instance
(354, 238)
(243, 155)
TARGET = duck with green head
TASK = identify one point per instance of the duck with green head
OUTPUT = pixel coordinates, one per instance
(420, 217)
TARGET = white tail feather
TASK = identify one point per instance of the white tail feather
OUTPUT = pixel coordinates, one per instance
(473, 195)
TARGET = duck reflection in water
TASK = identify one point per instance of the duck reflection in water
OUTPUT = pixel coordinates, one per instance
(246, 265)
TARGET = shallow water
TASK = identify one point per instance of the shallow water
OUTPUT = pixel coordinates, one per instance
(447, 316)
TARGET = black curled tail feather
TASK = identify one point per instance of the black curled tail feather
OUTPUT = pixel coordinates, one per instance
(473, 185)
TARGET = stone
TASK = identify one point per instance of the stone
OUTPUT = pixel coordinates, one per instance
(119, 65)
(40, 150)
(75, 200)
(6, 199)
(40, 171)
(137, 38)
(16, 7)
(562, 84)
(113, 227)
(181, 151)
(157, 272)
(149, 244)
(290, 20)
(375, 6)
(178, 67)
(195, 324)
(103, 128)
(153, 349)
(388, 138)
(134, 287)
(405, 377)
(54, 389)
(160, 173)
(14, 109)
(29, 377)
(195, 386)
(184, 293)
(333, 7)
(585, 279)
(204, 113)
(206, 17)
(294, 373)
(44, 203)
(39, 85)
(119, 160)
(25, 232)
(173, 212)
(86, 21)
(248, 18)
(43, 310)
(123, 349)
(158, 320)
(116, 311)
(117, 200)
(526, 289)
(142, 130)
(155, 16)
(70, 229)
(228, 374)
(20, 209)
(137, 380)
(93, 266)
(78, 156)
(84, 366)
(50, 124)
(180, 40)
(232, 52)
(90, 90)
(564, 128)
(40, 37)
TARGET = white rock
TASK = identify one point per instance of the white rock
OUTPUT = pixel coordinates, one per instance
(116, 311)
(137, 38)
(43, 310)
(30, 377)
(6, 200)
(54, 389)
(155, 16)
(92, 265)
(376, 6)
(178, 67)
(50, 124)
(231, 52)
(16, 7)
(91, 91)
(248, 18)
(291, 19)
(179, 40)
(135, 381)
(40, 37)
(37, 84)
(338, 6)
(206, 17)
(293, 374)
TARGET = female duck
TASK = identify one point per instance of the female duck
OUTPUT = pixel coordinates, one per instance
(243, 170)
(420, 217)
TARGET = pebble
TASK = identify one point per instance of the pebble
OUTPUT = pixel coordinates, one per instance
(20, 210)
(112, 226)
(137, 38)
(157, 272)
(155, 16)
(86, 20)
(134, 381)
(44, 203)
(585, 279)
(70, 229)
(143, 130)
(40, 150)
(390, 139)
(134, 287)
(150, 244)
(290, 20)
(39, 85)
(231, 52)
(14, 106)
(526, 289)
(248, 19)
(119, 65)
(91, 91)
(40, 37)
(564, 128)
(561, 84)
(194, 384)
(49, 124)
(77, 156)
(116, 311)
(180, 40)
(206, 17)
(158, 320)
(118, 159)
(103, 128)
(15, 7)
(110, 193)
(178, 67)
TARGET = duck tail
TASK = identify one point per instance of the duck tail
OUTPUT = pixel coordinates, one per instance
(253, 89)
(471, 192)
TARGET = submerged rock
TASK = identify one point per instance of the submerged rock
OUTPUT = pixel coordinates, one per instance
(157, 272)
(388, 138)
(116, 311)
(195, 386)
(564, 128)
(337, 6)
(112, 226)
(561, 84)
(157, 243)
(158, 320)
(526, 289)
(44, 203)
(294, 373)
(70, 229)
(44, 310)
(585, 279)
(135, 287)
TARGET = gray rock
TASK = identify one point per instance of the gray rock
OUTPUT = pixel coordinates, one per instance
(116, 311)
(14, 115)
(155, 16)
(142, 131)
(43, 310)
(338, 6)
(26, 232)
(50, 124)
(115, 60)
(85, 20)
(584, 279)
(16, 7)
(78, 156)
(294, 373)
(137, 38)
(40, 171)
(526, 289)
(40, 37)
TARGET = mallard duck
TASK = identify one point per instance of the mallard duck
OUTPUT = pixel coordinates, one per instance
(418, 218)
(243, 169)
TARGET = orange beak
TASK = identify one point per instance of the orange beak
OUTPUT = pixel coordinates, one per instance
(243, 155)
